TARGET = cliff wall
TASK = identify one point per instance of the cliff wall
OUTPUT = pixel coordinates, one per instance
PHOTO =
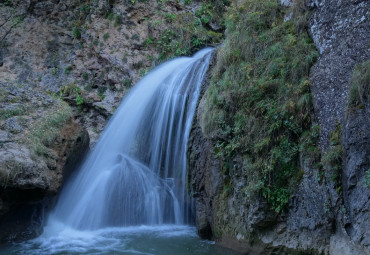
(327, 207)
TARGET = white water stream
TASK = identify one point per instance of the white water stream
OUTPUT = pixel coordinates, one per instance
(130, 196)
(136, 174)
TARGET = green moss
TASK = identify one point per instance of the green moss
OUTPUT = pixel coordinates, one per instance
(259, 102)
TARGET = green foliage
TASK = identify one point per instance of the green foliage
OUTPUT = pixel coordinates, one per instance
(76, 33)
(259, 103)
(3, 95)
(101, 91)
(72, 90)
(127, 82)
(110, 16)
(367, 178)
(170, 17)
(182, 36)
(54, 71)
(118, 20)
(332, 159)
(85, 9)
(360, 85)
(106, 36)
(7, 113)
(85, 76)
(79, 99)
(68, 70)
(205, 13)
(308, 145)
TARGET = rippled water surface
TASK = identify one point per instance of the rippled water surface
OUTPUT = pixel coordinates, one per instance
(156, 240)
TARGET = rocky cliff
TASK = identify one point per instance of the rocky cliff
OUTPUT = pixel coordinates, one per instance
(326, 210)
(90, 53)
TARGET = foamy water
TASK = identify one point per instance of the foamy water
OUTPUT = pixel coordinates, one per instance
(149, 240)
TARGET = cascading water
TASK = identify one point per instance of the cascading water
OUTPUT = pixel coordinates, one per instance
(136, 174)
(130, 197)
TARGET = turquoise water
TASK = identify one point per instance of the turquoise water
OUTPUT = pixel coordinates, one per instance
(146, 240)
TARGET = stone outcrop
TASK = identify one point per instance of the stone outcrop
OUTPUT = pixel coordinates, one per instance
(40, 144)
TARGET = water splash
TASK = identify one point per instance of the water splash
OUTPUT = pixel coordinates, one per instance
(136, 174)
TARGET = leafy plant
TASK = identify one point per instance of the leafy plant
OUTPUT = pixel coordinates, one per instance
(76, 33)
(72, 90)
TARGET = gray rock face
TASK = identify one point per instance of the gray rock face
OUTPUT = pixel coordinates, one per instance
(340, 30)
(356, 146)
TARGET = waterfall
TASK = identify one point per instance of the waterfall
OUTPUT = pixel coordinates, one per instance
(136, 174)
